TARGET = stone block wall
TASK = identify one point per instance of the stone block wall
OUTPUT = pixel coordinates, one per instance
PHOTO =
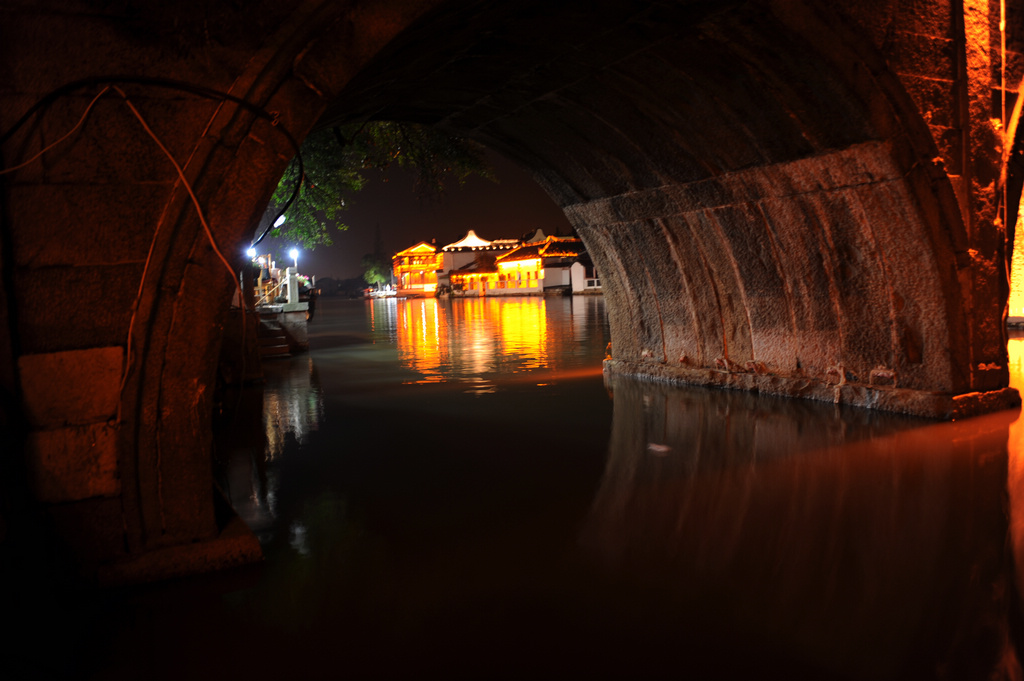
(787, 196)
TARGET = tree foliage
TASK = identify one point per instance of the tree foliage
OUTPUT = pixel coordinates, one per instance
(376, 265)
(375, 270)
(335, 159)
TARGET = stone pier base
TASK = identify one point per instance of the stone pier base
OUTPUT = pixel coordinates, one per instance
(898, 400)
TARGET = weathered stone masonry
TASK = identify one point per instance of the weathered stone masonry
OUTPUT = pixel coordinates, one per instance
(794, 197)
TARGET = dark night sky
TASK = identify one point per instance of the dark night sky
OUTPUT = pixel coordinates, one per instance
(506, 209)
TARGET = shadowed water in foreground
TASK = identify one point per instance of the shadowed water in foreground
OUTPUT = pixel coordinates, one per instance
(454, 489)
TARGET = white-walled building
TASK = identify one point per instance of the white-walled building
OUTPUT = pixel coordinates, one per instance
(544, 265)
(470, 252)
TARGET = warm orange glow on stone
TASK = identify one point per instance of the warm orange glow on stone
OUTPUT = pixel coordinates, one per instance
(799, 241)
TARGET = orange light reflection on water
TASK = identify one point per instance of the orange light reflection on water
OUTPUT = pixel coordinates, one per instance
(524, 333)
(423, 338)
(494, 336)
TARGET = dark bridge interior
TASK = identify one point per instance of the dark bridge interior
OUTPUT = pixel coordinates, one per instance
(800, 198)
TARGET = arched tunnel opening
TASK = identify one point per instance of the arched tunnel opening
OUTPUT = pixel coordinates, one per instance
(768, 205)
(778, 194)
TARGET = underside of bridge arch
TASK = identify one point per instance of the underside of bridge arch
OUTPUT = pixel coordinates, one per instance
(761, 191)
(764, 202)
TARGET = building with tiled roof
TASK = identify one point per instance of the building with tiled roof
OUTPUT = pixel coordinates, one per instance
(468, 250)
(416, 269)
(536, 267)
(473, 266)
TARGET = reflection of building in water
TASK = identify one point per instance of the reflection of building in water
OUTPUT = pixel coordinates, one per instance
(583, 309)
(493, 335)
(422, 333)
(383, 317)
(474, 353)
(292, 404)
(523, 332)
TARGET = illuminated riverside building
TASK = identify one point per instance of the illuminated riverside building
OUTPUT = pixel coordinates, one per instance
(472, 249)
(419, 270)
(477, 267)
(552, 263)
(416, 269)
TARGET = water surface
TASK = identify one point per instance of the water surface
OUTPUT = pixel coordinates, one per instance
(454, 489)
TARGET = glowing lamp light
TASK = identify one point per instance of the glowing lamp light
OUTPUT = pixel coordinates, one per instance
(251, 252)
(278, 222)
(294, 255)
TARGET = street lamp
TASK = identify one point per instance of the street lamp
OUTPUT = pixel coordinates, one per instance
(294, 253)
(251, 252)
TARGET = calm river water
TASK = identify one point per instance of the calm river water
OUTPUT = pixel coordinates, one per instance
(452, 490)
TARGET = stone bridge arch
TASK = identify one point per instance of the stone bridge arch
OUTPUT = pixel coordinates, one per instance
(774, 200)
(758, 189)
